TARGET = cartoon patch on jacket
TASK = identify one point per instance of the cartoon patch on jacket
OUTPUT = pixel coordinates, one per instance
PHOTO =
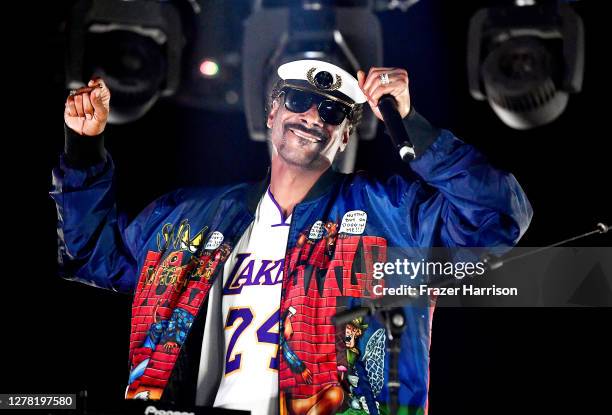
(365, 373)
(169, 333)
(323, 371)
(325, 402)
(171, 289)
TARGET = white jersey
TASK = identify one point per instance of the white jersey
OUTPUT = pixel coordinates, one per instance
(250, 304)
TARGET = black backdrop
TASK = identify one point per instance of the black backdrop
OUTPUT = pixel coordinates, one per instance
(60, 336)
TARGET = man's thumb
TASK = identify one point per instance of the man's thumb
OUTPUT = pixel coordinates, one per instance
(96, 100)
(360, 76)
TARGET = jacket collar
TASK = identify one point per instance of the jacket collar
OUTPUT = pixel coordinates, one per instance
(322, 185)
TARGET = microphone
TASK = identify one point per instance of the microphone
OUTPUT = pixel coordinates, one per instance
(395, 127)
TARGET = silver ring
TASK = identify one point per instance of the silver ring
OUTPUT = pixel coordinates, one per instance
(384, 79)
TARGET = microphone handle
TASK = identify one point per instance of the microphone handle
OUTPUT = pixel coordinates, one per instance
(395, 127)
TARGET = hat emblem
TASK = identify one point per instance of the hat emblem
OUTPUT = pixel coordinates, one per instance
(323, 80)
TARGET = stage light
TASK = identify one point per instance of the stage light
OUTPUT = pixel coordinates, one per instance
(209, 68)
(136, 46)
(525, 61)
(307, 30)
(212, 60)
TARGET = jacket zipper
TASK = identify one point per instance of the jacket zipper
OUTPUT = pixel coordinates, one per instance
(280, 303)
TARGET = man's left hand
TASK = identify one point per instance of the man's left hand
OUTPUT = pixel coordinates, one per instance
(373, 88)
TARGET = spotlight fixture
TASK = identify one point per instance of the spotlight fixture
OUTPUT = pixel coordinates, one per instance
(135, 46)
(525, 60)
(211, 77)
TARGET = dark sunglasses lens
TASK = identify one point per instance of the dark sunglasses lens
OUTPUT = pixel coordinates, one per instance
(297, 101)
(332, 112)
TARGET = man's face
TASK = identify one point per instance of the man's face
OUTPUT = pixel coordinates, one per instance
(350, 336)
(303, 139)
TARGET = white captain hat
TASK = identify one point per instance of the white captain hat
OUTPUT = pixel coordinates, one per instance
(323, 78)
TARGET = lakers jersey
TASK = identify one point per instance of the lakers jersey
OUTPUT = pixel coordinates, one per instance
(250, 303)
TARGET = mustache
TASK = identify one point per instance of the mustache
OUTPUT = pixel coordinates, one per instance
(313, 131)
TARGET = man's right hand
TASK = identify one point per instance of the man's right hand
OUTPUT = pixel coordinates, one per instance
(86, 113)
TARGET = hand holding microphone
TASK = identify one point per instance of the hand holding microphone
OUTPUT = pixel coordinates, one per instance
(387, 92)
(383, 81)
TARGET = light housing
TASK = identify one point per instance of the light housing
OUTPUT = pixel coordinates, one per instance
(136, 46)
(525, 61)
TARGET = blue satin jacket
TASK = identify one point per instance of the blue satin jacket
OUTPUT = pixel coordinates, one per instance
(170, 255)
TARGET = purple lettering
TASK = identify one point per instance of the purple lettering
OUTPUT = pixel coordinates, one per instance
(265, 271)
(232, 286)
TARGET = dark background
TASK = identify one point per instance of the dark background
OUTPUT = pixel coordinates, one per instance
(64, 337)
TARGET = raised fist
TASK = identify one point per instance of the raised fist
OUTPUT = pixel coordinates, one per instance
(87, 108)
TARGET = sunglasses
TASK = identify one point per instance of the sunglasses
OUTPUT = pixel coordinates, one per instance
(330, 111)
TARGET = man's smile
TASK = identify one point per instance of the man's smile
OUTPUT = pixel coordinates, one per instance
(304, 135)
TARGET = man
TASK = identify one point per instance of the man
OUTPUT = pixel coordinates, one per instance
(234, 288)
